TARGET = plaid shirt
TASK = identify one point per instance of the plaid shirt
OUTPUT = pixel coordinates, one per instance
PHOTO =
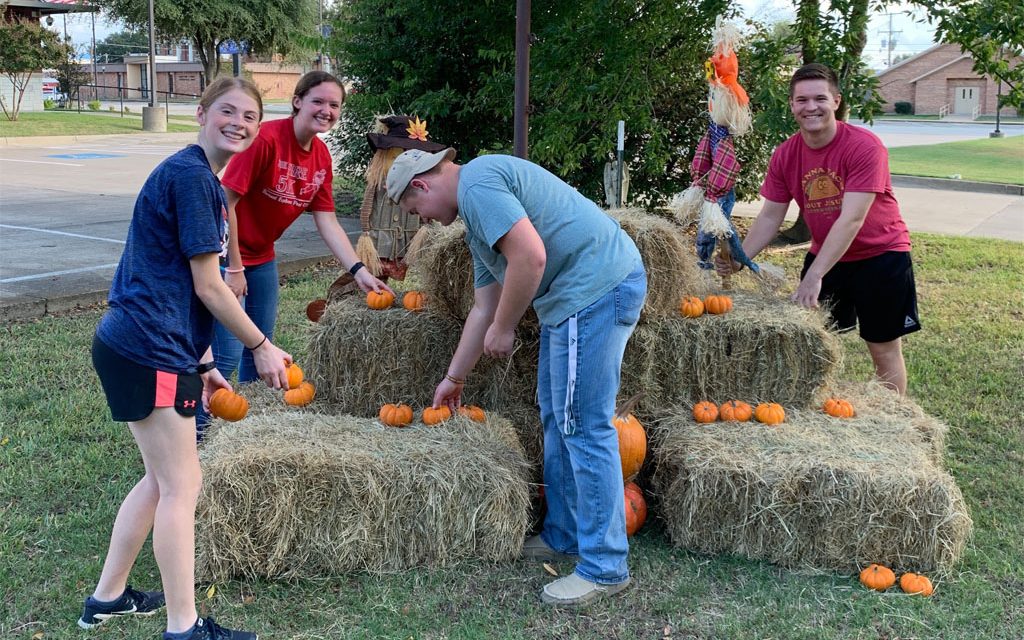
(714, 165)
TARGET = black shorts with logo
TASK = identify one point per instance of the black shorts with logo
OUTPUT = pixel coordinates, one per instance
(133, 390)
(878, 293)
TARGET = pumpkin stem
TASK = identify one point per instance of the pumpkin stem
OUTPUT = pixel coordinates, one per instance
(627, 405)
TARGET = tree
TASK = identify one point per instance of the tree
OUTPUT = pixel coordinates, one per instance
(264, 26)
(114, 47)
(26, 48)
(992, 31)
(593, 64)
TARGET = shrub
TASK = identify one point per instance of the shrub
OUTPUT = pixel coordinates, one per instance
(49, 104)
(904, 108)
(94, 105)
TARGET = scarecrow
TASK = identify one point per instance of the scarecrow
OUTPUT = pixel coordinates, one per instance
(389, 237)
(714, 169)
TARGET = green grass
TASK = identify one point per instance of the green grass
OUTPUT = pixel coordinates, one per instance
(56, 123)
(988, 160)
(64, 467)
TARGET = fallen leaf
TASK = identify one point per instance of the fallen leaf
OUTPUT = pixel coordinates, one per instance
(550, 569)
(2, 444)
(212, 591)
(248, 599)
(38, 634)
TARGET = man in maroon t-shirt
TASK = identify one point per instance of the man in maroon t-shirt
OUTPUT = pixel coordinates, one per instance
(859, 264)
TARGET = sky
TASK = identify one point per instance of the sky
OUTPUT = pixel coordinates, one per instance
(909, 33)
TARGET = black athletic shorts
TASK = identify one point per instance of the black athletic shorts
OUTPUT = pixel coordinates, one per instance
(133, 391)
(878, 293)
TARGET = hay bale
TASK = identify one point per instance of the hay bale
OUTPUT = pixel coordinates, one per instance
(816, 492)
(298, 494)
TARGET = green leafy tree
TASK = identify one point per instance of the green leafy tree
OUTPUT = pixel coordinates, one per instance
(71, 76)
(992, 31)
(114, 47)
(265, 26)
(26, 48)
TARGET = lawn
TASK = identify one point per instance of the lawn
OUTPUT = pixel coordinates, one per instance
(987, 160)
(64, 467)
(56, 123)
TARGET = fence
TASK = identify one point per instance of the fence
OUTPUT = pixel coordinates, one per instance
(63, 102)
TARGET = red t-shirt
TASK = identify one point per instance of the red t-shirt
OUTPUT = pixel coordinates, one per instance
(817, 179)
(277, 180)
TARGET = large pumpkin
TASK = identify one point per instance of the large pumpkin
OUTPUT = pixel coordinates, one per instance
(301, 395)
(877, 577)
(636, 508)
(378, 300)
(413, 301)
(632, 444)
(718, 304)
(916, 584)
(839, 408)
(294, 375)
(228, 405)
(435, 416)
(735, 411)
(396, 415)
(705, 411)
(691, 307)
(473, 412)
(770, 413)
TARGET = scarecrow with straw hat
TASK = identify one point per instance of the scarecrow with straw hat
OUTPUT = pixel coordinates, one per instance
(715, 168)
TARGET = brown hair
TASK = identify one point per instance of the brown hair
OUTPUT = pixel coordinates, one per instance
(815, 71)
(312, 79)
(222, 85)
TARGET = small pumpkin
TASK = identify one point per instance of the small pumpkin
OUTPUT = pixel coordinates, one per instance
(718, 304)
(378, 300)
(691, 307)
(315, 309)
(916, 584)
(301, 395)
(636, 508)
(839, 408)
(396, 415)
(877, 577)
(435, 416)
(473, 412)
(632, 444)
(413, 301)
(705, 411)
(735, 411)
(295, 376)
(228, 405)
(770, 413)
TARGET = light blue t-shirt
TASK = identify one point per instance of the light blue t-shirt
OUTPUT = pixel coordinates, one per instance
(588, 254)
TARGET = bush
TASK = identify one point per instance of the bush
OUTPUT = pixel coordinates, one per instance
(94, 105)
(904, 108)
(49, 104)
(112, 108)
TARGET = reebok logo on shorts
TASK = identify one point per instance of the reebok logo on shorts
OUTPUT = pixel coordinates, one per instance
(909, 322)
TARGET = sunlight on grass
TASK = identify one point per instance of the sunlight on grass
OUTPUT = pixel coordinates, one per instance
(989, 160)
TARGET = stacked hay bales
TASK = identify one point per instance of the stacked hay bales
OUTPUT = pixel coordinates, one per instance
(815, 491)
(301, 494)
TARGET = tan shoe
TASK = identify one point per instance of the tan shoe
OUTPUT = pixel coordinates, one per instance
(573, 590)
(536, 549)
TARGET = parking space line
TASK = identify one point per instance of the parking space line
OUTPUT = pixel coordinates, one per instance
(60, 233)
(40, 276)
(64, 164)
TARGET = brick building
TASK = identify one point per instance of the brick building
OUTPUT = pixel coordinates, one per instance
(940, 80)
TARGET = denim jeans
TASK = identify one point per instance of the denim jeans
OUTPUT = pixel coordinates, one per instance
(577, 383)
(260, 304)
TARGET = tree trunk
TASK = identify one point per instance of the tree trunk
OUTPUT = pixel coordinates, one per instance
(854, 41)
(207, 50)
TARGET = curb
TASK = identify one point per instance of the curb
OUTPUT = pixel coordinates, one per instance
(42, 141)
(948, 184)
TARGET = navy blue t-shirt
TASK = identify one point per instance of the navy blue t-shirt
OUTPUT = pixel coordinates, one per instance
(155, 318)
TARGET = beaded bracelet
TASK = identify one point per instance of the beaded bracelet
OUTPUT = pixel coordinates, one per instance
(453, 379)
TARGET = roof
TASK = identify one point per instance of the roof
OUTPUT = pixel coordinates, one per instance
(53, 6)
(939, 68)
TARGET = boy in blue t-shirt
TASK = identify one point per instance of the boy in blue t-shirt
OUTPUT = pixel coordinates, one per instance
(536, 240)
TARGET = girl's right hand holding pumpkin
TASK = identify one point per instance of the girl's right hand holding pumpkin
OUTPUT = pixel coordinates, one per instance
(272, 364)
(449, 394)
(213, 380)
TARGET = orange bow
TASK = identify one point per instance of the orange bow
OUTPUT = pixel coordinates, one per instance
(727, 69)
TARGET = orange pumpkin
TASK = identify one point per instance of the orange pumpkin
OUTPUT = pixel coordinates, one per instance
(380, 300)
(705, 411)
(396, 415)
(636, 508)
(718, 304)
(735, 411)
(294, 375)
(315, 309)
(473, 412)
(691, 307)
(877, 577)
(228, 405)
(434, 416)
(770, 413)
(413, 301)
(839, 408)
(916, 584)
(632, 444)
(301, 395)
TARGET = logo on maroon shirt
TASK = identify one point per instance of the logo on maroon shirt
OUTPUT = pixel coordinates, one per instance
(823, 191)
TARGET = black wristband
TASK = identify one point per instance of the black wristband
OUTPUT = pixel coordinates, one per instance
(260, 344)
(206, 367)
(356, 267)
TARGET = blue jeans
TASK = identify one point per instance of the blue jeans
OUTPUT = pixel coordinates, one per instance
(260, 304)
(577, 383)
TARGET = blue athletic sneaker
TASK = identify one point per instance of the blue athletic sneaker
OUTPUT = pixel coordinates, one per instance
(131, 602)
(207, 629)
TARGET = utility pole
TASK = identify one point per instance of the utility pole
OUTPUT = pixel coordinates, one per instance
(92, 56)
(154, 118)
(889, 43)
(520, 115)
